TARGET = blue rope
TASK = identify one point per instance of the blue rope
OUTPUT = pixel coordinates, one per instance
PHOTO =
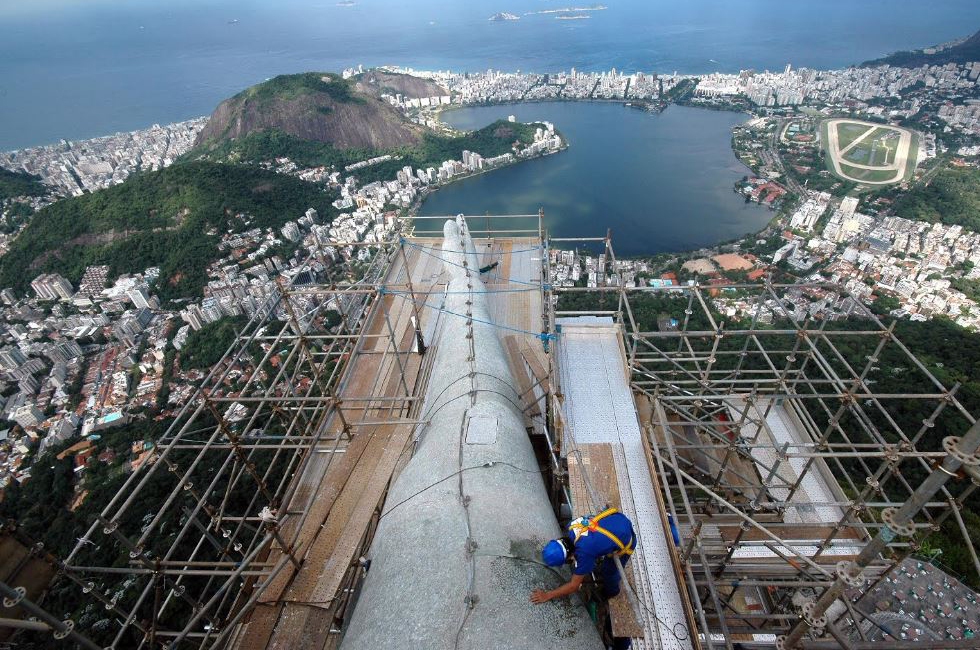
(408, 293)
(433, 248)
(496, 277)
(513, 281)
(544, 337)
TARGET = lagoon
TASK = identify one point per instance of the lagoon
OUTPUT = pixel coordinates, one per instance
(661, 182)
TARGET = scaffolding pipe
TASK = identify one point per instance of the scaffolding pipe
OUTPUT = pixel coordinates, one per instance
(62, 629)
(23, 624)
(897, 523)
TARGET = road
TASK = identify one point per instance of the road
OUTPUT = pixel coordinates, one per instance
(773, 151)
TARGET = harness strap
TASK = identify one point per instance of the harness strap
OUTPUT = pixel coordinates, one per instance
(602, 515)
(592, 525)
(623, 549)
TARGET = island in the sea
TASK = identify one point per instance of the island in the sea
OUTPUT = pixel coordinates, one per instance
(597, 7)
(503, 15)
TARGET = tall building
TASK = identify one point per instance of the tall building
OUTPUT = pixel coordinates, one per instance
(139, 297)
(291, 231)
(181, 337)
(128, 328)
(28, 385)
(848, 206)
(28, 415)
(64, 351)
(51, 286)
(94, 280)
(58, 374)
(12, 358)
(26, 369)
(210, 310)
(193, 317)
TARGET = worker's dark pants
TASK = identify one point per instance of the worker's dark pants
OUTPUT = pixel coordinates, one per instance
(610, 575)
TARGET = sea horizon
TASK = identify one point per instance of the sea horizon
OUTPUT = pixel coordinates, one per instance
(75, 70)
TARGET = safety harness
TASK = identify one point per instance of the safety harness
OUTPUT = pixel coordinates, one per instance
(586, 525)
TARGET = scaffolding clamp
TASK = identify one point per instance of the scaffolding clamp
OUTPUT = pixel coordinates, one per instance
(850, 573)
(811, 620)
(951, 444)
(15, 600)
(891, 453)
(895, 527)
(69, 627)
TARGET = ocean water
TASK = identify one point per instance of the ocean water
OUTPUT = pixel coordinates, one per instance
(661, 182)
(83, 68)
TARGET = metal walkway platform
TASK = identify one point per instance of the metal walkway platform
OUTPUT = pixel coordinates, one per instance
(771, 427)
(598, 408)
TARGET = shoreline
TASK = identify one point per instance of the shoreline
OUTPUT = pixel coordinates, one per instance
(149, 127)
(412, 210)
(440, 109)
(114, 134)
(437, 113)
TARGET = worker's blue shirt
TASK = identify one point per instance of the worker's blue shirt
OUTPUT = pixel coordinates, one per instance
(593, 545)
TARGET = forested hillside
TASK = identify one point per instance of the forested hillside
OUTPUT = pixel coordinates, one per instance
(952, 197)
(968, 50)
(19, 184)
(492, 140)
(170, 218)
(316, 106)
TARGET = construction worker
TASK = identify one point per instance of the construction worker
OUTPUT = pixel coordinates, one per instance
(590, 541)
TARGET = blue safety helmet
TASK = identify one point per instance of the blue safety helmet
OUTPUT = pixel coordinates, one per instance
(554, 553)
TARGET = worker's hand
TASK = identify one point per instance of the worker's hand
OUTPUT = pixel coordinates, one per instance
(539, 596)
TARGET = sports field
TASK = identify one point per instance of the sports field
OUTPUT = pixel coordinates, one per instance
(877, 148)
(849, 132)
(867, 153)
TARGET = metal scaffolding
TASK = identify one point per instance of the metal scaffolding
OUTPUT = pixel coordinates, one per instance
(793, 484)
(218, 527)
(231, 480)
